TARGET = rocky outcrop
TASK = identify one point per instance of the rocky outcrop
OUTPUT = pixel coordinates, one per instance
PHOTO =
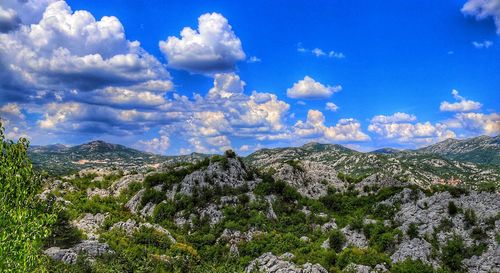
(269, 263)
(489, 261)
(91, 248)
(118, 186)
(415, 249)
(310, 178)
(134, 202)
(354, 238)
(234, 237)
(130, 226)
(231, 174)
(89, 224)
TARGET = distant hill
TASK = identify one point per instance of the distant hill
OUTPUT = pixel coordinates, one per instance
(387, 151)
(318, 161)
(482, 149)
(61, 159)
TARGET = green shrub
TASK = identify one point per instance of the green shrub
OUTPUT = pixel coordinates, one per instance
(152, 195)
(369, 257)
(453, 253)
(478, 234)
(412, 231)
(230, 154)
(64, 234)
(151, 237)
(337, 240)
(411, 266)
(470, 218)
(164, 211)
(452, 208)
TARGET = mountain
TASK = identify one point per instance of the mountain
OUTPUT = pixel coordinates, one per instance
(482, 149)
(316, 163)
(60, 159)
(386, 151)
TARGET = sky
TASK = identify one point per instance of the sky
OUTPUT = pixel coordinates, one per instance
(175, 77)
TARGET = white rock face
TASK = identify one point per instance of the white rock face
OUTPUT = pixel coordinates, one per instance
(415, 249)
(234, 237)
(354, 238)
(90, 224)
(135, 201)
(269, 263)
(91, 248)
(233, 175)
(131, 226)
(123, 183)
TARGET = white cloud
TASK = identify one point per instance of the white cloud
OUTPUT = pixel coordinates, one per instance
(481, 45)
(318, 52)
(331, 106)
(212, 48)
(314, 127)
(394, 118)
(157, 145)
(12, 109)
(478, 123)
(482, 9)
(69, 51)
(226, 85)
(463, 105)
(400, 127)
(254, 59)
(308, 88)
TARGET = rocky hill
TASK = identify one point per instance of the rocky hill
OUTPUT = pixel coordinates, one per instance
(61, 159)
(325, 164)
(218, 214)
(482, 149)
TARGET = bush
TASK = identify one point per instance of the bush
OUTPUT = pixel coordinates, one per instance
(64, 234)
(453, 253)
(230, 154)
(412, 266)
(470, 218)
(412, 231)
(163, 211)
(368, 257)
(337, 240)
(452, 208)
(151, 237)
(152, 195)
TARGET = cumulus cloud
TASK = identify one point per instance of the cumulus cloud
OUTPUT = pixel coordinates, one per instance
(308, 88)
(462, 104)
(477, 123)
(212, 48)
(331, 106)
(68, 51)
(482, 9)
(157, 145)
(481, 45)
(402, 128)
(314, 127)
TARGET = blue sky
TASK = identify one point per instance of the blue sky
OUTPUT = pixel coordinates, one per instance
(249, 75)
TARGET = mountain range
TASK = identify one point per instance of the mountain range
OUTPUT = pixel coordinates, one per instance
(469, 160)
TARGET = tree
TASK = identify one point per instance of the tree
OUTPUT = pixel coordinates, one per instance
(337, 240)
(24, 222)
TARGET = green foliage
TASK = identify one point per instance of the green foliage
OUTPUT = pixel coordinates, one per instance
(470, 218)
(452, 253)
(351, 179)
(164, 211)
(24, 221)
(295, 165)
(64, 234)
(151, 237)
(381, 237)
(152, 195)
(452, 208)
(230, 154)
(412, 266)
(337, 240)
(412, 231)
(367, 256)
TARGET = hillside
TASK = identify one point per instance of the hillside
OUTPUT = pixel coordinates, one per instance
(319, 162)
(220, 215)
(482, 149)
